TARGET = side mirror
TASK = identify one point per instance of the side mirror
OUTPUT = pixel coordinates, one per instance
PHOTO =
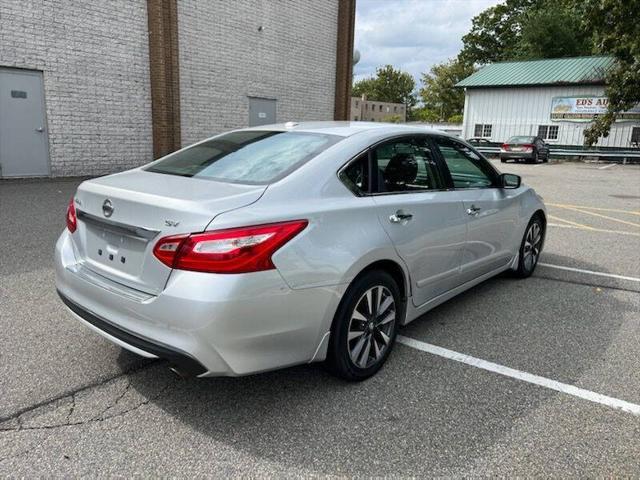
(510, 180)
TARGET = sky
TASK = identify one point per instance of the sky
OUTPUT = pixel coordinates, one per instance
(411, 35)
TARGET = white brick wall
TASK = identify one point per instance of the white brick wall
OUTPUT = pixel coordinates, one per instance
(94, 55)
(224, 59)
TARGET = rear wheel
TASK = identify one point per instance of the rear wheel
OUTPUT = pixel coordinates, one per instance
(535, 157)
(364, 328)
(530, 247)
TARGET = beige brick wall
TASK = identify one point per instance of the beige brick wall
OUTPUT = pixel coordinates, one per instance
(224, 59)
(94, 58)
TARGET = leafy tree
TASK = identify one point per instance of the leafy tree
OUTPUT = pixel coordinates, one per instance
(552, 32)
(616, 30)
(424, 114)
(440, 96)
(389, 85)
(525, 30)
(365, 86)
(495, 32)
(392, 119)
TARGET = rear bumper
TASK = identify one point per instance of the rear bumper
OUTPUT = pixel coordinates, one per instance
(182, 361)
(205, 324)
(516, 155)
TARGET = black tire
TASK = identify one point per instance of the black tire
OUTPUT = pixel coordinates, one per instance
(340, 360)
(535, 157)
(528, 257)
(546, 158)
(503, 160)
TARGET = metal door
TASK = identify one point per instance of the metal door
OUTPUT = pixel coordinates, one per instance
(492, 212)
(428, 226)
(262, 111)
(24, 150)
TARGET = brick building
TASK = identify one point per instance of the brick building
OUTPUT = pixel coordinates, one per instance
(366, 110)
(93, 87)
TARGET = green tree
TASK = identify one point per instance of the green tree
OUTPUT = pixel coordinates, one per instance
(388, 85)
(552, 32)
(616, 30)
(526, 29)
(440, 96)
(365, 86)
(495, 32)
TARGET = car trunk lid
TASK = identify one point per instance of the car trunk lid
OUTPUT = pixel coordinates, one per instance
(122, 216)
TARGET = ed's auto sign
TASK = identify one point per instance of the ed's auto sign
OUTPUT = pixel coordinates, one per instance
(585, 109)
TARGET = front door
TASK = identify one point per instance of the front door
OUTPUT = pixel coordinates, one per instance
(492, 212)
(425, 222)
(23, 130)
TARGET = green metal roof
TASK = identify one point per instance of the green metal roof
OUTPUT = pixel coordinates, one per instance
(554, 71)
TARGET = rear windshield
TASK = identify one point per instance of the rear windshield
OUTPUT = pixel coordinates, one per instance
(520, 140)
(250, 156)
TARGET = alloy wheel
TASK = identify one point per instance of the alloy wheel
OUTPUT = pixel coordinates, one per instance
(532, 243)
(371, 326)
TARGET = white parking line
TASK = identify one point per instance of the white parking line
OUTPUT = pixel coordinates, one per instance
(589, 272)
(607, 166)
(523, 376)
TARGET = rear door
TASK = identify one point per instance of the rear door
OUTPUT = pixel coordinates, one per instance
(492, 212)
(425, 222)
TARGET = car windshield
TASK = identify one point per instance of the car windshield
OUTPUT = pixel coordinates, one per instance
(520, 140)
(250, 156)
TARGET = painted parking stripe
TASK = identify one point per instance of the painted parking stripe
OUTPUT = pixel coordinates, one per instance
(589, 272)
(603, 230)
(607, 166)
(520, 375)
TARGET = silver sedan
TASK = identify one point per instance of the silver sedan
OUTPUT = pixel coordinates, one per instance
(287, 244)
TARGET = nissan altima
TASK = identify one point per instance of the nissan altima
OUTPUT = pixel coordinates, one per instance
(281, 245)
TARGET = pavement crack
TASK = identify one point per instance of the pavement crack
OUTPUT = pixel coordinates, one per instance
(96, 419)
(20, 412)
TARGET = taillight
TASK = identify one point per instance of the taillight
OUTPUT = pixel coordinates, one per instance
(234, 250)
(72, 221)
(528, 147)
(505, 146)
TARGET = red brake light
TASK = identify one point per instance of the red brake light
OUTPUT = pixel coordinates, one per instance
(72, 222)
(234, 250)
(528, 146)
(505, 146)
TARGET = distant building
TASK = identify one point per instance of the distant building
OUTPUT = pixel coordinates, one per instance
(374, 111)
(555, 99)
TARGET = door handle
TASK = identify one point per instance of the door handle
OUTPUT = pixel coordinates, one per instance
(39, 129)
(400, 217)
(473, 210)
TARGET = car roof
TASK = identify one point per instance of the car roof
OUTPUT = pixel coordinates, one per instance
(347, 129)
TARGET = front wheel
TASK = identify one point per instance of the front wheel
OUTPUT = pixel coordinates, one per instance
(364, 328)
(530, 247)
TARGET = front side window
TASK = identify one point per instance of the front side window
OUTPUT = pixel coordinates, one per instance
(467, 168)
(635, 136)
(250, 156)
(406, 165)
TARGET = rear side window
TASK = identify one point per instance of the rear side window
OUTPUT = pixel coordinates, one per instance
(356, 175)
(251, 156)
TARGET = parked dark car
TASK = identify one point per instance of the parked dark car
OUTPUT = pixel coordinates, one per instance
(527, 148)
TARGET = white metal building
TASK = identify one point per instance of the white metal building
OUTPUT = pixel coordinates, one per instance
(555, 99)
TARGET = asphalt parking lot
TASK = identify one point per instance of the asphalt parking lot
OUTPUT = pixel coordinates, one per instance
(531, 377)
